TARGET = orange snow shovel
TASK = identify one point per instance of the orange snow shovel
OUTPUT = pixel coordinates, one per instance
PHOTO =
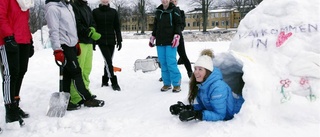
(116, 69)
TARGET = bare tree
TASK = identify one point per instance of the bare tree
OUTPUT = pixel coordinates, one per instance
(120, 7)
(36, 20)
(36, 17)
(140, 9)
(245, 6)
(205, 6)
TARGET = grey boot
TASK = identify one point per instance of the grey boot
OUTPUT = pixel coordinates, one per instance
(115, 85)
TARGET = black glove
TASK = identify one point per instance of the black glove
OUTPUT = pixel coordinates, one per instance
(31, 51)
(190, 115)
(10, 44)
(179, 107)
(119, 45)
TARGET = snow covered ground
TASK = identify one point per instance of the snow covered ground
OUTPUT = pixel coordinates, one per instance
(141, 110)
(267, 58)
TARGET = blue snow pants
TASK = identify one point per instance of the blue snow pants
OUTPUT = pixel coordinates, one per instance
(169, 68)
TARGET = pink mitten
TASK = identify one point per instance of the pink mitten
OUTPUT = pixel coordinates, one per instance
(175, 41)
(151, 42)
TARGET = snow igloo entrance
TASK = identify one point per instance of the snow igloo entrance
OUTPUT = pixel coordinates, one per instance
(231, 70)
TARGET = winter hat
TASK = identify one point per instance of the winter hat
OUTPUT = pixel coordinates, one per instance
(205, 59)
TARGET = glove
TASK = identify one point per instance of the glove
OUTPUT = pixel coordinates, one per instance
(179, 107)
(78, 49)
(58, 55)
(119, 45)
(10, 44)
(93, 34)
(190, 115)
(151, 42)
(175, 41)
(31, 50)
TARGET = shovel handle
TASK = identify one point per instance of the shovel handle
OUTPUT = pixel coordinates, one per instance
(61, 64)
(61, 74)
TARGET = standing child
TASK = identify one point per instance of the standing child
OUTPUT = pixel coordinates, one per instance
(108, 26)
(167, 30)
(181, 48)
(87, 35)
(15, 49)
(63, 36)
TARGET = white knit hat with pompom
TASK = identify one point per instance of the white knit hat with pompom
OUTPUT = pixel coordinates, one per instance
(205, 60)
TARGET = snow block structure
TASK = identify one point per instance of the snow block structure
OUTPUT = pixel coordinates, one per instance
(275, 57)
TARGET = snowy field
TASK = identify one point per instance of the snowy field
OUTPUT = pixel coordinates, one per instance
(141, 110)
(276, 48)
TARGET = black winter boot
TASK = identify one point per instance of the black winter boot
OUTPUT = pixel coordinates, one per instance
(105, 81)
(20, 111)
(12, 114)
(115, 85)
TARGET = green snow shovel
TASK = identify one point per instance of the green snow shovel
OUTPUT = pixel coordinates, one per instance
(59, 100)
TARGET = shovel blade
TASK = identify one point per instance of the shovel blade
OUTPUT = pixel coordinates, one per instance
(58, 104)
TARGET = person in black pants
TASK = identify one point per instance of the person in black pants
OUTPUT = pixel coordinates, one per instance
(107, 22)
(64, 42)
(16, 47)
(181, 49)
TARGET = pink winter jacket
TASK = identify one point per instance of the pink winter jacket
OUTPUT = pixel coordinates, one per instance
(14, 21)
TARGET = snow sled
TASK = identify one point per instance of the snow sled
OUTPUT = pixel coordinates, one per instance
(149, 64)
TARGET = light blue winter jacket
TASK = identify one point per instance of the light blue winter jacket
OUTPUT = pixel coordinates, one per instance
(215, 98)
(62, 24)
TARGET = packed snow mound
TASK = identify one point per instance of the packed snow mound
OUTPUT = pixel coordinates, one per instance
(278, 49)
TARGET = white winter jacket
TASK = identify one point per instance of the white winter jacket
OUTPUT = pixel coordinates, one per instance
(62, 24)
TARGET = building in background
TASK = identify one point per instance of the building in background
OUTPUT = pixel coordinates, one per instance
(217, 18)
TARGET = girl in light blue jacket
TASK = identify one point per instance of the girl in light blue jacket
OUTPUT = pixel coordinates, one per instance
(214, 98)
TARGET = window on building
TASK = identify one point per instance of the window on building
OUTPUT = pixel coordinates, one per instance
(212, 15)
(217, 23)
(227, 23)
(222, 23)
(212, 23)
(235, 25)
(216, 15)
(188, 24)
(194, 24)
(223, 14)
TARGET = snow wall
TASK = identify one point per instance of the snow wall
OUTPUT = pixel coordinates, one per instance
(275, 58)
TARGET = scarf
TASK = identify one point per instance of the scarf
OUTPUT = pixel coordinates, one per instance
(25, 4)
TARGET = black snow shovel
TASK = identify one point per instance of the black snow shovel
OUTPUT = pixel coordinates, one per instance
(59, 100)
